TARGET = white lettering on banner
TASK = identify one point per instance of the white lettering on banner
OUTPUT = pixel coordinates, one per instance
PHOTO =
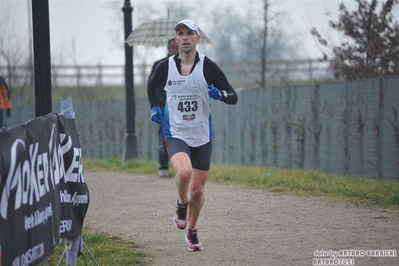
(29, 256)
(65, 196)
(68, 145)
(75, 171)
(80, 199)
(65, 226)
(32, 178)
(38, 217)
(75, 199)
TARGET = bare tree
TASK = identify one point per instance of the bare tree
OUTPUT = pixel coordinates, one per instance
(13, 49)
(371, 46)
(263, 54)
(224, 40)
(14, 56)
(267, 41)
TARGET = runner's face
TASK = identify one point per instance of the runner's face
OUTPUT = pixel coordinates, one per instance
(186, 39)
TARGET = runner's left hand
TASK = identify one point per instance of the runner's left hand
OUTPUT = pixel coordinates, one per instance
(214, 93)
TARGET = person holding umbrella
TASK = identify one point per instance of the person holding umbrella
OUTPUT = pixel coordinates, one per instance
(162, 152)
(187, 81)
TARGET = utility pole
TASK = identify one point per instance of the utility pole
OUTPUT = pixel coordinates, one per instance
(263, 51)
(130, 149)
(42, 59)
(31, 67)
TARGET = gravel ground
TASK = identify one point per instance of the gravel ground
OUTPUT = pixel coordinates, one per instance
(238, 226)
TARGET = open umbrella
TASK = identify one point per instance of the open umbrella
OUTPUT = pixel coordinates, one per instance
(156, 33)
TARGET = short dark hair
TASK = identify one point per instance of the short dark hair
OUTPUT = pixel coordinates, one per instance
(170, 40)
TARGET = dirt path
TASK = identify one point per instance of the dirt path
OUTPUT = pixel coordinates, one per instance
(238, 226)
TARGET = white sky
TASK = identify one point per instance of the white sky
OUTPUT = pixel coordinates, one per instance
(90, 25)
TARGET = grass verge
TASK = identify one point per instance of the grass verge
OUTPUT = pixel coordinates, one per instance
(359, 190)
(106, 249)
(362, 191)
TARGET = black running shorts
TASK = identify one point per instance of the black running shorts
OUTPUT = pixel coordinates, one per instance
(200, 156)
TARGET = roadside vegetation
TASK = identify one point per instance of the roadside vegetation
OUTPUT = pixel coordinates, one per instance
(110, 250)
(361, 191)
(106, 250)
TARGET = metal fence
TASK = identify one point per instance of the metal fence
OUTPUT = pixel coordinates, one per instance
(342, 128)
(107, 75)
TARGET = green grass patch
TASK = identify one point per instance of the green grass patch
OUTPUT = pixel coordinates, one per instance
(106, 249)
(362, 191)
(116, 165)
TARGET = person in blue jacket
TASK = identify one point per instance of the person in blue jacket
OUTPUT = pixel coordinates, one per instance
(163, 157)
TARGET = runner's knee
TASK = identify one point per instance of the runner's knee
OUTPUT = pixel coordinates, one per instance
(184, 175)
(196, 193)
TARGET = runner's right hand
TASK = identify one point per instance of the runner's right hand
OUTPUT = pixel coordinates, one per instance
(156, 115)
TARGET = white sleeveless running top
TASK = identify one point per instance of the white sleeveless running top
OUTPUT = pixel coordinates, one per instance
(187, 114)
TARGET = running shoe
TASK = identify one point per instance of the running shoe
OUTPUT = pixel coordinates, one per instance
(180, 217)
(163, 173)
(193, 241)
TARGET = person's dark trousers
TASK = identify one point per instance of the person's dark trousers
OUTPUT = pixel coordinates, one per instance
(1, 118)
(162, 153)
